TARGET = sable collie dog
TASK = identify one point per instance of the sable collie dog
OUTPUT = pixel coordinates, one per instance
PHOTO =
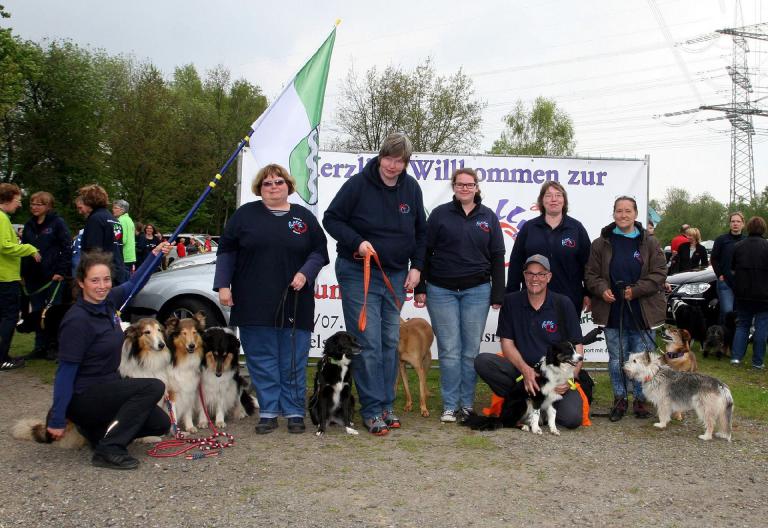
(144, 354)
(556, 368)
(678, 355)
(672, 391)
(224, 390)
(185, 337)
(414, 347)
(332, 399)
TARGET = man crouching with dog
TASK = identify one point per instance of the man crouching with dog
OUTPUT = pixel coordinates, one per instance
(530, 322)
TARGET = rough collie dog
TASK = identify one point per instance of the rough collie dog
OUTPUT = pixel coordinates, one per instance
(672, 391)
(185, 338)
(35, 430)
(225, 391)
(144, 354)
(678, 355)
(332, 399)
(556, 368)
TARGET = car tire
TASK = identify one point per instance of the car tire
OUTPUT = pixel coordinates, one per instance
(188, 306)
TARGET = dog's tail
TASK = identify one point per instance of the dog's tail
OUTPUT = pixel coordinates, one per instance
(31, 429)
(727, 415)
(250, 403)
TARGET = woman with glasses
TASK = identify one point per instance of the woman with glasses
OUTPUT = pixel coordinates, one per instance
(625, 275)
(268, 257)
(464, 275)
(43, 280)
(560, 238)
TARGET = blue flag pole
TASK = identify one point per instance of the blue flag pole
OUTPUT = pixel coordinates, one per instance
(139, 281)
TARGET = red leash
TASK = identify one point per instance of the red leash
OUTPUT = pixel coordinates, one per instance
(362, 320)
(209, 446)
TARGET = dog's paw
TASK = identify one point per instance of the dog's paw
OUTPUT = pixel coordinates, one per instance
(221, 424)
(408, 407)
(554, 431)
(149, 439)
(724, 436)
(191, 429)
(705, 436)
(351, 431)
(425, 413)
(660, 425)
(318, 434)
(203, 425)
(525, 428)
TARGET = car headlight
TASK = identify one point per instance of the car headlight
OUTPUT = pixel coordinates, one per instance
(693, 288)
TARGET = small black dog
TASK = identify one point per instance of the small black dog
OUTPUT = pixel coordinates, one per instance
(332, 399)
(690, 318)
(47, 322)
(719, 338)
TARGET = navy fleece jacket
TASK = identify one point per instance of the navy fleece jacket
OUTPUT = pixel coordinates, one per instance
(392, 219)
(52, 240)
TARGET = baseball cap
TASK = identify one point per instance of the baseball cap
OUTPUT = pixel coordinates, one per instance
(538, 259)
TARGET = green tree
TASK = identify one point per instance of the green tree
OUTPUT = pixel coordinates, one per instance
(439, 114)
(702, 212)
(541, 130)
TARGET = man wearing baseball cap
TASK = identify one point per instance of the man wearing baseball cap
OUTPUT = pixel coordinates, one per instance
(529, 322)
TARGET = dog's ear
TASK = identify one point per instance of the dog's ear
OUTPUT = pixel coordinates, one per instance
(171, 325)
(234, 344)
(199, 318)
(647, 356)
(685, 335)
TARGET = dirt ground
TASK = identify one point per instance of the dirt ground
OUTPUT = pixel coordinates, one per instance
(426, 474)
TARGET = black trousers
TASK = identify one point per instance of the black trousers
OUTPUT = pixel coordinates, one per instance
(500, 375)
(111, 415)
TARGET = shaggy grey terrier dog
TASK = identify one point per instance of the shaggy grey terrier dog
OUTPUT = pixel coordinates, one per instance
(672, 391)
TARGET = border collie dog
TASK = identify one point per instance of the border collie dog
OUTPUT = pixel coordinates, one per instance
(555, 369)
(224, 390)
(332, 399)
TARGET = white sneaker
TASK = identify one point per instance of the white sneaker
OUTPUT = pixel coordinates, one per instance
(735, 362)
(448, 416)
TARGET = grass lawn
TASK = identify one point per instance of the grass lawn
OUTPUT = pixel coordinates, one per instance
(749, 387)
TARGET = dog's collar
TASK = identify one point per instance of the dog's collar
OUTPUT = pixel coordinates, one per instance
(647, 379)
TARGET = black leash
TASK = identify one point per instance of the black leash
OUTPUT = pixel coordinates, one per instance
(280, 323)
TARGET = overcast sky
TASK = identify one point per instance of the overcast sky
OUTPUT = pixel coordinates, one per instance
(615, 66)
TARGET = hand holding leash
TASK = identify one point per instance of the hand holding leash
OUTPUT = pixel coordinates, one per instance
(412, 280)
(365, 249)
(225, 297)
(299, 280)
(608, 296)
(420, 300)
(57, 434)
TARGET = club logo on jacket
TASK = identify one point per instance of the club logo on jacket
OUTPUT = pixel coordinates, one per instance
(568, 242)
(549, 326)
(483, 224)
(297, 226)
(405, 208)
(47, 231)
(637, 257)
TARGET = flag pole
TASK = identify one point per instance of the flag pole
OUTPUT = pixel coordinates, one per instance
(139, 281)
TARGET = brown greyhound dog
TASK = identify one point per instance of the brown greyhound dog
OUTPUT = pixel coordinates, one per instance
(415, 341)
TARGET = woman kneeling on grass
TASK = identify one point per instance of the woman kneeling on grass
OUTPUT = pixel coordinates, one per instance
(109, 411)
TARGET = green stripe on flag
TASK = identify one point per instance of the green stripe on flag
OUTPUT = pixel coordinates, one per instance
(311, 80)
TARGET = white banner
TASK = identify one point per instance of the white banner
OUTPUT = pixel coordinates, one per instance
(509, 185)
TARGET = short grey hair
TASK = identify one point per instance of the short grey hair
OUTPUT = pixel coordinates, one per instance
(397, 145)
(122, 204)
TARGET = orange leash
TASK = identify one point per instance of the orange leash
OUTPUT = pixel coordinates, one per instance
(362, 320)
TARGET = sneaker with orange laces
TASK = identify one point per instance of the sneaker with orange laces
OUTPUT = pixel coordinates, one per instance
(376, 426)
(391, 419)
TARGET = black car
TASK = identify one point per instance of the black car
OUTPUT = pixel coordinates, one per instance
(697, 290)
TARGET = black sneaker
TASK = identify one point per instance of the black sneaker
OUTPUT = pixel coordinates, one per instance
(114, 460)
(296, 425)
(266, 425)
(618, 410)
(464, 414)
(12, 363)
(640, 410)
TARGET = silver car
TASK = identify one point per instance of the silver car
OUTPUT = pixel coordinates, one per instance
(182, 291)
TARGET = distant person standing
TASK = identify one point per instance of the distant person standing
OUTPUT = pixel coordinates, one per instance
(120, 211)
(674, 245)
(146, 242)
(690, 254)
(749, 265)
(42, 280)
(11, 253)
(102, 230)
(722, 253)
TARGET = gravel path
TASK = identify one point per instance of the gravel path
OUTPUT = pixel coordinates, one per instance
(426, 474)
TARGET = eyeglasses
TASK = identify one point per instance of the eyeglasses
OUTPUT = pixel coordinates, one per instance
(553, 196)
(35, 204)
(276, 183)
(470, 186)
(532, 275)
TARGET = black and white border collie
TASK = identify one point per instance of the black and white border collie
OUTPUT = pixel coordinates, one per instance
(332, 399)
(555, 369)
(224, 390)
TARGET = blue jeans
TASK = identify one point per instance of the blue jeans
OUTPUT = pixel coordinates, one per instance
(38, 302)
(458, 319)
(9, 315)
(277, 364)
(725, 298)
(631, 341)
(375, 368)
(740, 338)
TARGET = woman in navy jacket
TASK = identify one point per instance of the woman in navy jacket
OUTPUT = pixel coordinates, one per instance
(464, 271)
(560, 238)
